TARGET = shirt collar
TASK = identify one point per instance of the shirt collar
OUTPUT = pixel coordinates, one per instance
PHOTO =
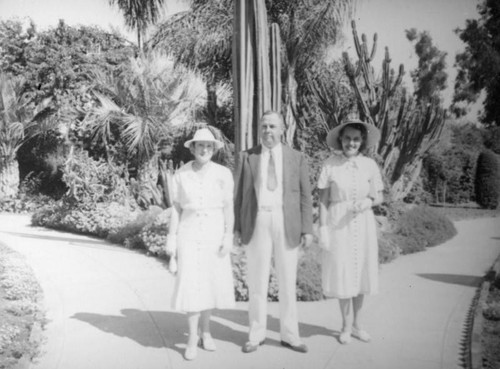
(276, 149)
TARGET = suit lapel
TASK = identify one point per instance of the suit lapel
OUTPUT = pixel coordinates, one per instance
(287, 164)
(254, 161)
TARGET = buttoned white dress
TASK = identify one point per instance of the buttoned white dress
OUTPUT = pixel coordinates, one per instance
(350, 263)
(204, 279)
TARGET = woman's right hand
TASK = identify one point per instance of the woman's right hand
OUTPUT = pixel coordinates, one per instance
(171, 246)
(324, 238)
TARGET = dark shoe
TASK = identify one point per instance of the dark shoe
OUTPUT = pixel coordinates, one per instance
(251, 347)
(299, 348)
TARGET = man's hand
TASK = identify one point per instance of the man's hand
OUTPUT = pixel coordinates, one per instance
(306, 240)
(227, 244)
(237, 238)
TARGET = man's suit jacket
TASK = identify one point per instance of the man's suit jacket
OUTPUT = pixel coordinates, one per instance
(297, 198)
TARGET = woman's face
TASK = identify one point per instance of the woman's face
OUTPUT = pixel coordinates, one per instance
(203, 151)
(351, 140)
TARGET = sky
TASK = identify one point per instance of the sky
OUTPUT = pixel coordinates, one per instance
(388, 18)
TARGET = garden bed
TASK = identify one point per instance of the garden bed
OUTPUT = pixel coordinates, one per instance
(19, 309)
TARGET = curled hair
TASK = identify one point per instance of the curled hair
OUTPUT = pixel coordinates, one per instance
(358, 127)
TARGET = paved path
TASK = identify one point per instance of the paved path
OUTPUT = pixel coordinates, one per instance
(108, 307)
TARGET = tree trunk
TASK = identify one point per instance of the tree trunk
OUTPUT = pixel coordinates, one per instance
(403, 185)
(211, 102)
(290, 106)
(9, 179)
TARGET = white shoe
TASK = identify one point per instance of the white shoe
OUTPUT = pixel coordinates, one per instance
(361, 335)
(207, 343)
(191, 350)
(345, 337)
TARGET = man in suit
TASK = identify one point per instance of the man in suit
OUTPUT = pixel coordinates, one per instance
(273, 213)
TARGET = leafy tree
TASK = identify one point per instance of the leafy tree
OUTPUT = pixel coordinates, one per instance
(479, 65)
(307, 29)
(57, 67)
(139, 15)
(449, 168)
(200, 39)
(487, 183)
(19, 120)
(430, 76)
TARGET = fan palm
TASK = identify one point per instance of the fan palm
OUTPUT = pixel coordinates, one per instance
(139, 15)
(138, 107)
(200, 39)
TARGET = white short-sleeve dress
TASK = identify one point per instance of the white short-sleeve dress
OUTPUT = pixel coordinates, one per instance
(350, 266)
(204, 279)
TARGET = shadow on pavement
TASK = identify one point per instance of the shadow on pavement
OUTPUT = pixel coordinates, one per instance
(62, 239)
(273, 324)
(462, 280)
(171, 327)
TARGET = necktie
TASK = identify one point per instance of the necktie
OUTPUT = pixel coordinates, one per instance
(272, 181)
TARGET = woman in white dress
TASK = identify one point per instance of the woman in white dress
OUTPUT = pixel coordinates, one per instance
(349, 185)
(201, 236)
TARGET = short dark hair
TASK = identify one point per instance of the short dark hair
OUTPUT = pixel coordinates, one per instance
(359, 127)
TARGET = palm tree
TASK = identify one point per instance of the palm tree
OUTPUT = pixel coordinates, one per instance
(201, 38)
(138, 108)
(139, 15)
(307, 29)
(19, 121)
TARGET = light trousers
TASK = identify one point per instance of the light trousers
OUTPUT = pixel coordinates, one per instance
(269, 237)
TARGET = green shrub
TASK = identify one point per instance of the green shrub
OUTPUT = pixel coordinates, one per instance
(98, 221)
(487, 182)
(154, 234)
(134, 227)
(388, 247)
(92, 181)
(308, 276)
(492, 311)
(425, 227)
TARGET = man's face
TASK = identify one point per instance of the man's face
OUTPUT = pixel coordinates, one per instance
(271, 130)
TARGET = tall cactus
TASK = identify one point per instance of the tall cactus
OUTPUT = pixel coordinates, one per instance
(408, 129)
(256, 82)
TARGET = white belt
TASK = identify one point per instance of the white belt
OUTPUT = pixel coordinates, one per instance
(270, 207)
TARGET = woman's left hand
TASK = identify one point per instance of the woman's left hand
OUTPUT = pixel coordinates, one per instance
(362, 205)
(227, 244)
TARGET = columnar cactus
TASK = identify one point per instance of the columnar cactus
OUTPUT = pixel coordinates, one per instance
(256, 82)
(407, 130)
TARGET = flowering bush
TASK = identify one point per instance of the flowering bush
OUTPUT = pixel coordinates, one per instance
(99, 221)
(308, 277)
(154, 235)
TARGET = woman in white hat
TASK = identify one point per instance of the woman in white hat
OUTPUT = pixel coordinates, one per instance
(349, 185)
(201, 236)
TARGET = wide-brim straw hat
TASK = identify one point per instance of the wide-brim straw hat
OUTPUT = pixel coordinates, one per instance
(372, 134)
(204, 134)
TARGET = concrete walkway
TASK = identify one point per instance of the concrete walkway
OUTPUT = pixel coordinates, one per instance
(108, 307)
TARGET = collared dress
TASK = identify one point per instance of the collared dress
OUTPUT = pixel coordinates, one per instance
(350, 263)
(204, 279)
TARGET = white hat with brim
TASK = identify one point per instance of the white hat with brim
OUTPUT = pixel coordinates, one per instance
(204, 134)
(372, 134)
